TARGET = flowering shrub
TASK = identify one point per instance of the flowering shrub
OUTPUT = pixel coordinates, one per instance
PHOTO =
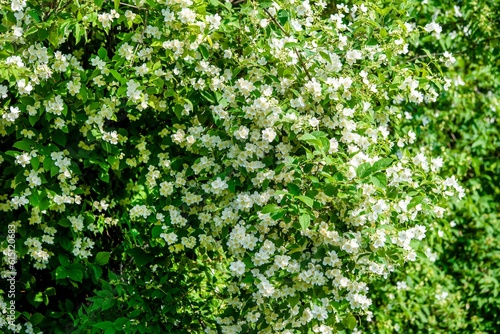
(456, 288)
(208, 168)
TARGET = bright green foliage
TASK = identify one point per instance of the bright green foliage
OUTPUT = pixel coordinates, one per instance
(185, 166)
(459, 292)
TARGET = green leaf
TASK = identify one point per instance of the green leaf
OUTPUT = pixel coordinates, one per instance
(23, 145)
(307, 200)
(110, 330)
(415, 201)
(116, 75)
(291, 45)
(78, 33)
(34, 15)
(84, 94)
(330, 190)
(97, 271)
(53, 171)
(305, 221)
(33, 120)
(350, 322)
(364, 170)
(107, 304)
(157, 230)
(65, 223)
(61, 273)
(379, 180)
(63, 260)
(75, 275)
(140, 256)
(104, 325)
(307, 137)
(36, 318)
(293, 189)
(208, 96)
(203, 51)
(270, 208)
(382, 163)
(102, 258)
(59, 137)
(294, 300)
(103, 54)
(283, 16)
(104, 176)
(35, 163)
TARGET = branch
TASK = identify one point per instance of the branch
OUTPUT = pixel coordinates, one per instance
(129, 5)
(425, 56)
(432, 54)
(301, 60)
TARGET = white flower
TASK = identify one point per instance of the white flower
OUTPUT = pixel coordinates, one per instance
(218, 186)
(353, 55)
(33, 179)
(76, 223)
(314, 122)
(73, 87)
(241, 133)
(132, 90)
(237, 268)
(24, 86)
(139, 211)
(17, 5)
(214, 21)
(166, 188)
(169, 238)
(186, 15)
(433, 26)
(12, 115)
(351, 246)
(296, 25)
(268, 134)
(3, 91)
(16, 60)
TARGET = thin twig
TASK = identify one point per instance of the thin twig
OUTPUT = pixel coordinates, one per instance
(129, 5)
(237, 2)
(433, 55)
(425, 56)
(301, 60)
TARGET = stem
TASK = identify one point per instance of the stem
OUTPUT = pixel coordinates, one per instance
(425, 56)
(129, 5)
(432, 54)
(301, 60)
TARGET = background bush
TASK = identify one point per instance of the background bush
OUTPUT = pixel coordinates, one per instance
(187, 166)
(458, 290)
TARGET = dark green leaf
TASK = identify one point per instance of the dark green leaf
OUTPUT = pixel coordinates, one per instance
(23, 145)
(75, 275)
(103, 54)
(293, 189)
(59, 137)
(140, 256)
(102, 258)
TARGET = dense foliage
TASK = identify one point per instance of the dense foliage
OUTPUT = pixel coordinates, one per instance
(275, 167)
(457, 289)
